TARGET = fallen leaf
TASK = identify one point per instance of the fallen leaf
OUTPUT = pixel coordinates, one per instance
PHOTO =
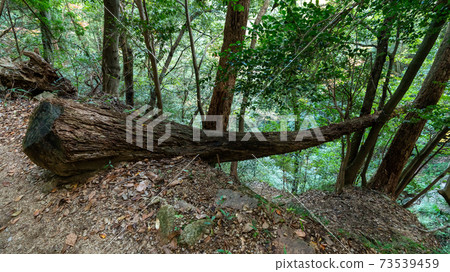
(18, 198)
(102, 235)
(36, 213)
(121, 218)
(71, 239)
(15, 221)
(151, 176)
(88, 206)
(175, 183)
(91, 195)
(147, 215)
(300, 233)
(16, 213)
(157, 224)
(248, 227)
(2, 228)
(278, 212)
(173, 244)
(142, 186)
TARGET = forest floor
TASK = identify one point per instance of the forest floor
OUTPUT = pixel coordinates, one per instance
(115, 210)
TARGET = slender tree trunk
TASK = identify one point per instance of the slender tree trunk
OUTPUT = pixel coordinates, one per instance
(174, 47)
(13, 27)
(2, 5)
(430, 38)
(128, 72)
(110, 55)
(413, 167)
(194, 59)
(446, 192)
(149, 43)
(388, 174)
(262, 11)
(372, 85)
(46, 36)
(424, 191)
(234, 33)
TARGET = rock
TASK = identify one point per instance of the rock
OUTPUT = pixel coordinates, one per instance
(166, 219)
(44, 95)
(71, 239)
(236, 200)
(287, 245)
(194, 231)
(300, 233)
(184, 206)
(288, 242)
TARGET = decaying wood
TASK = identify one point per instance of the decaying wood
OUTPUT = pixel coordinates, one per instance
(35, 76)
(70, 138)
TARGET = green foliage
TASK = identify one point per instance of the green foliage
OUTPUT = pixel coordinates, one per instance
(399, 245)
(309, 60)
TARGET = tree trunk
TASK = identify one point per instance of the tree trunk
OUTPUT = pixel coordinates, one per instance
(446, 192)
(413, 68)
(149, 44)
(424, 191)
(388, 174)
(110, 54)
(128, 72)
(70, 138)
(233, 35)
(194, 59)
(2, 5)
(372, 85)
(35, 77)
(46, 35)
(258, 19)
(414, 166)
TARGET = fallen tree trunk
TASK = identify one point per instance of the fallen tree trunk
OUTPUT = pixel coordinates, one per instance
(34, 77)
(70, 138)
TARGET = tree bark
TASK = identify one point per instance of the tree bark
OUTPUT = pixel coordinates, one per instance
(2, 5)
(35, 76)
(149, 43)
(70, 138)
(413, 68)
(46, 35)
(388, 174)
(128, 72)
(194, 59)
(258, 19)
(372, 85)
(110, 53)
(233, 35)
